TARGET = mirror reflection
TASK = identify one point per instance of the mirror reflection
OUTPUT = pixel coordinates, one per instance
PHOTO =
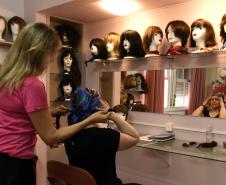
(171, 91)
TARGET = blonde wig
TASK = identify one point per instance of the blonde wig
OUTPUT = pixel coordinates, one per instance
(29, 55)
(114, 38)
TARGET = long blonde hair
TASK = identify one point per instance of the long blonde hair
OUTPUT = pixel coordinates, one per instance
(27, 56)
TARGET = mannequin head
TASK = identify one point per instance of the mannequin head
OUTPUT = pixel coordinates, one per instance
(15, 25)
(68, 35)
(70, 66)
(152, 38)
(223, 28)
(141, 83)
(202, 32)
(66, 88)
(131, 44)
(3, 27)
(177, 33)
(112, 41)
(98, 48)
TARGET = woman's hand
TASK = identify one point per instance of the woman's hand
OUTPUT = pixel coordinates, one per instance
(104, 105)
(59, 110)
(206, 103)
(221, 102)
(98, 117)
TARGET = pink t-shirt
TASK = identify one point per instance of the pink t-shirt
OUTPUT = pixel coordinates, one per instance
(17, 134)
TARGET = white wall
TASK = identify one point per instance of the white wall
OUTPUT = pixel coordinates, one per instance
(10, 8)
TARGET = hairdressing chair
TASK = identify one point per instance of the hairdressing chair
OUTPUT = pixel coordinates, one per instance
(58, 171)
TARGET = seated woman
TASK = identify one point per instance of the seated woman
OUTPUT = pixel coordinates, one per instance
(94, 149)
(212, 107)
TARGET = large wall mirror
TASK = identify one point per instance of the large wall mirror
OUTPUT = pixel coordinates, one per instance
(170, 91)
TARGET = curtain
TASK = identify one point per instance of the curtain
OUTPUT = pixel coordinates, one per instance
(154, 99)
(197, 89)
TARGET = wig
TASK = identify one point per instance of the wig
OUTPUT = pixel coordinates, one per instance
(16, 20)
(68, 35)
(143, 82)
(75, 73)
(180, 29)
(101, 47)
(115, 39)
(66, 80)
(222, 31)
(136, 48)
(130, 82)
(140, 107)
(149, 35)
(210, 35)
(5, 29)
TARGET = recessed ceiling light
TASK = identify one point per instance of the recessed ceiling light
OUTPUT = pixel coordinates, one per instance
(120, 7)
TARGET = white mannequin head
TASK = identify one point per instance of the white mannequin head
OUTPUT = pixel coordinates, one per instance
(68, 62)
(156, 41)
(15, 28)
(173, 40)
(199, 33)
(126, 45)
(94, 50)
(2, 27)
(67, 90)
(110, 46)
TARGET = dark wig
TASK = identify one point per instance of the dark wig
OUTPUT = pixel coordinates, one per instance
(149, 35)
(74, 74)
(210, 34)
(5, 29)
(136, 48)
(144, 86)
(180, 29)
(222, 31)
(68, 35)
(101, 47)
(66, 80)
(16, 20)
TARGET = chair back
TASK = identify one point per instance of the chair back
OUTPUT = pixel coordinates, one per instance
(69, 174)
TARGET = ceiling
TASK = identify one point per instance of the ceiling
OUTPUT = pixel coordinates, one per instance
(85, 11)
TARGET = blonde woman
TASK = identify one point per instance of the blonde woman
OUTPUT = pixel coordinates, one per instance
(24, 109)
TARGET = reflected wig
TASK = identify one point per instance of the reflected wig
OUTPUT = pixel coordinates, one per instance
(115, 39)
(136, 47)
(210, 34)
(16, 20)
(222, 31)
(149, 35)
(180, 29)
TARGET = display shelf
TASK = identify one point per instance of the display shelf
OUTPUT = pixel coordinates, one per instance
(175, 146)
(192, 60)
(6, 43)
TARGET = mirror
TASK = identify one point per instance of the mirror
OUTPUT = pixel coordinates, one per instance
(171, 91)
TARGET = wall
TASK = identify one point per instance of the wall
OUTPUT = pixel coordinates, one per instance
(31, 7)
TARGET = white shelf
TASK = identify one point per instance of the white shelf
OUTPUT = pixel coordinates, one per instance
(193, 60)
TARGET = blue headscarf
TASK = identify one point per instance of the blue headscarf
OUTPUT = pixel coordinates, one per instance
(84, 102)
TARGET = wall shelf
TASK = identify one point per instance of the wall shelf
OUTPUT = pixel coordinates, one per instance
(6, 43)
(193, 60)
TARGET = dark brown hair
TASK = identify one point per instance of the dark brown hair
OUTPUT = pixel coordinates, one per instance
(100, 44)
(5, 30)
(210, 34)
(149, 35)
(180, 29)
(222, 32)
(136, 47)
(16, 20)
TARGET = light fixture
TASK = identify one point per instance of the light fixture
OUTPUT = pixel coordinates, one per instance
(120, 7)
